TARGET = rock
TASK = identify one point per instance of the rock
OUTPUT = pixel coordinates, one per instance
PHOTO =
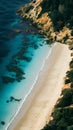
(71, 47)
(18, 31)
(18, 100)
(34, 1)
(40, 17)
(23, 10)
(72, 54)
(27, 30)
(7, 101)
(69, 41)
(2, 122)
(41, 44)
(7, 79)
(35, 46)
(12, 98)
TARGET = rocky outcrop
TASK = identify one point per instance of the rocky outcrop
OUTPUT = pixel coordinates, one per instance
(42, 20)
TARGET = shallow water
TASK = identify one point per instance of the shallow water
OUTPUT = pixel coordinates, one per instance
(22, 55)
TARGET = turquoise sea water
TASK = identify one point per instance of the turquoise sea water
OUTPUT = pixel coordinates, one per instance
(22, 57)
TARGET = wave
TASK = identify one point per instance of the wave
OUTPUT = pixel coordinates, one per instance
(32, 87)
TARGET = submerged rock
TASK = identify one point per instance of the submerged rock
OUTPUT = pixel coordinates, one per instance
(18, 72)
(18, 100)
(18, 31)
(7, 79)
(7, 101)
(2, 122)
(35, 46)
(13, 99)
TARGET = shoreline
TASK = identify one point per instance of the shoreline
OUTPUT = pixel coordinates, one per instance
(35, 92)
(34, 83)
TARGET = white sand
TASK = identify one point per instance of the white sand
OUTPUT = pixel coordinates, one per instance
(37, 109)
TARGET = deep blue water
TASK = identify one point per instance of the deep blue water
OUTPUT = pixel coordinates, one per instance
(22, 52)
(10, 39)
(8, 15)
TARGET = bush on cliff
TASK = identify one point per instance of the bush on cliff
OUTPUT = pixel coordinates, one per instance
(71, 85)
(56, 13)
(71, 64)
(62, 115)
(67, 81)
(70, 127)
(72, 33)
(69, 74)
(62, 119)
(67, 98)
(57, 19)
(49, 127)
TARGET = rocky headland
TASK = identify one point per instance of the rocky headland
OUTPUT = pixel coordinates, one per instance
(42, 18)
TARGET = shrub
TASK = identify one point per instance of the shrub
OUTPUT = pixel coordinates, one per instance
(66, 100)
(70, 127)
(72, 32)
(67, 81)
(70, 75)
(71, 21)
(66, 37)
(45, 5)
(71, 64)
(49, 127)
(71, 85)
(63, 117)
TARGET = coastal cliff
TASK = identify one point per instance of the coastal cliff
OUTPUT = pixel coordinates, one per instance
(42, 21)
(54, 19)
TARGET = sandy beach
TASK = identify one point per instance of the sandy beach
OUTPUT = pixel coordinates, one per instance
(39, 105)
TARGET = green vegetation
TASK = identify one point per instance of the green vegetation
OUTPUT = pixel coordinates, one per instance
(67, 98)
(71, 64)
(71, 85)
(67, 81)
(72, 33)
(63, 112)
(70, 75)
(61, 12)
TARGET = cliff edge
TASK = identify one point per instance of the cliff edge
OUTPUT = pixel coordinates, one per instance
(49, 17)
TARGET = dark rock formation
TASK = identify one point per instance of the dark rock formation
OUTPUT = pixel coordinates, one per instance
(2, 122)
(51, 18)
(7, 79)
(13, 99)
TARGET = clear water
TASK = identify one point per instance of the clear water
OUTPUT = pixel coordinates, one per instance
(22, 55)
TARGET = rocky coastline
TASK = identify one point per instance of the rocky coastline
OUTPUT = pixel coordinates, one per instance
(44, 24)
